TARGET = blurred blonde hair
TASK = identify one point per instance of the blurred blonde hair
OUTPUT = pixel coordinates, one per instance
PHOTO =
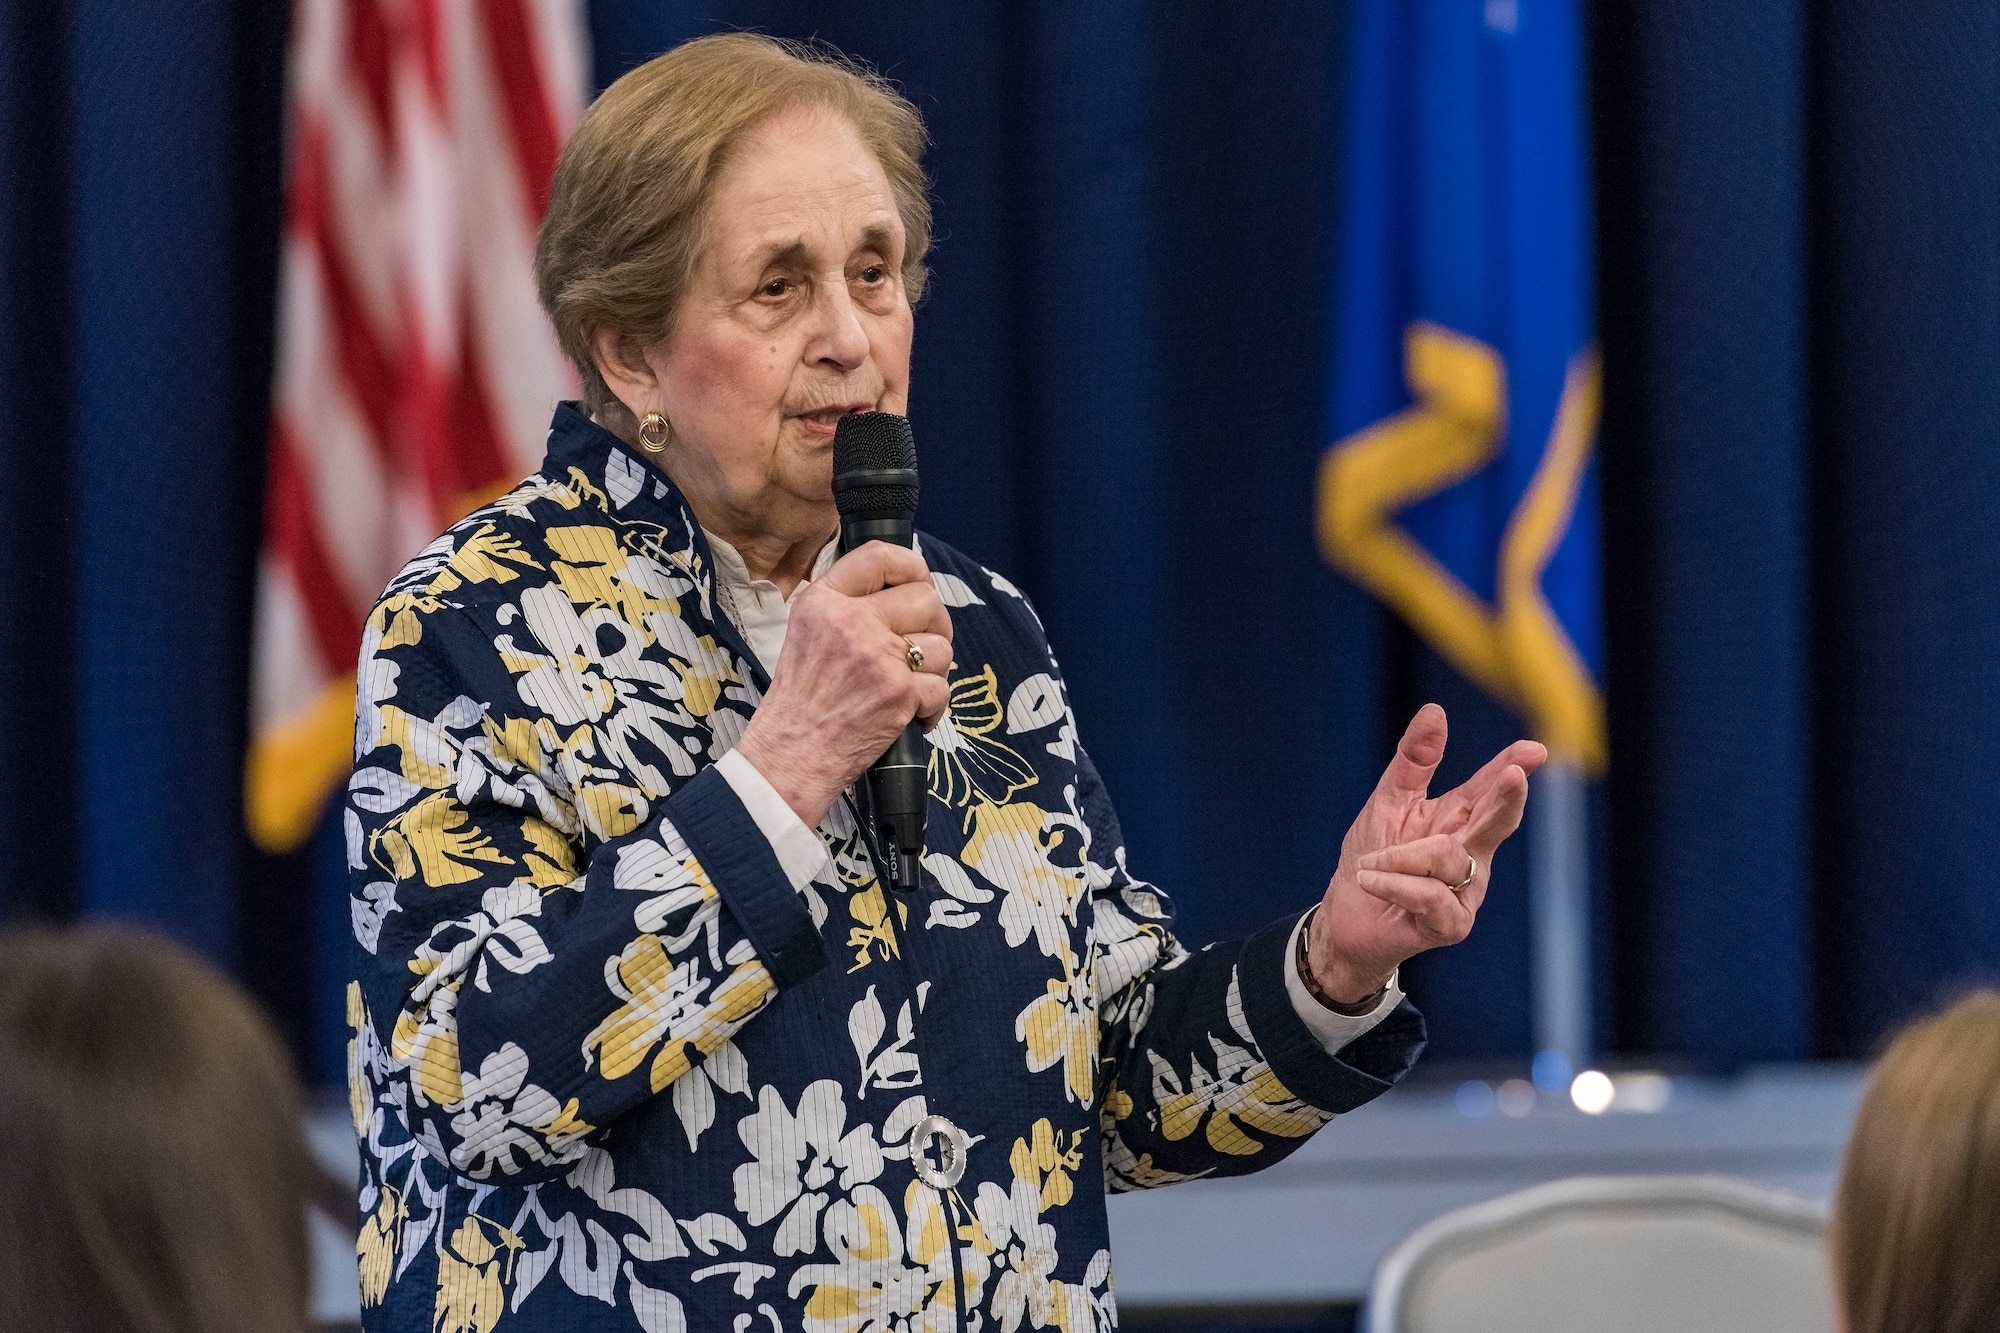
(1915, 1238)
(633, 183)
(153, 1165)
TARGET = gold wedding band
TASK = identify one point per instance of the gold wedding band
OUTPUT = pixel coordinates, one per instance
(1470, 875)
(913, 654)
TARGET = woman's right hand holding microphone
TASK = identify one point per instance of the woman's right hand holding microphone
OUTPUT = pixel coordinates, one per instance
(843, 687)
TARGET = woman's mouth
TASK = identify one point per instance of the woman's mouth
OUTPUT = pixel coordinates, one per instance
(821, 422)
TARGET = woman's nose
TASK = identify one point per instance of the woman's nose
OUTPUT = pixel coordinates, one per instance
(841, 341)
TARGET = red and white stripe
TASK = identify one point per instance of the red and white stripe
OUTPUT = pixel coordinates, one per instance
(415, 370)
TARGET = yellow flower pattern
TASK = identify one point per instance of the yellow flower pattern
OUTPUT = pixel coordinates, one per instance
(1240, 1095)
(1048, 1161)
(377, 1246)
(671, 1005)
(873, 936)
(612, 1067)
(1060, 1027)
(474, 1268)
(966, 762)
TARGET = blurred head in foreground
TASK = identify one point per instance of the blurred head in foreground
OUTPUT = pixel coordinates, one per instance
(1916, 1223)
(152, 1160)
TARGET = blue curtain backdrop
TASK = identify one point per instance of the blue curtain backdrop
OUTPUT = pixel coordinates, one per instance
(1119, 391)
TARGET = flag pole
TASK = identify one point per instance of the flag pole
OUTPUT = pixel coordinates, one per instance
(1559, 905)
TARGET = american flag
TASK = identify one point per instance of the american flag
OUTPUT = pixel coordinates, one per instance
(415, 370)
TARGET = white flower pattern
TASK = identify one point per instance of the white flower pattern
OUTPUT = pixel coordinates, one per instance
(796, 1158)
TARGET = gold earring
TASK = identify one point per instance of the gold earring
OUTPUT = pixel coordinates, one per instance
(654, 432)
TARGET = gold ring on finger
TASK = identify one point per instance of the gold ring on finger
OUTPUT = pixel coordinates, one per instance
(1471, 874)
(913, 654)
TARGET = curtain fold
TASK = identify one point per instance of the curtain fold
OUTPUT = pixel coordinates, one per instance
(38, 649)
(1703, 211)
(162, 506)
(1905, 455)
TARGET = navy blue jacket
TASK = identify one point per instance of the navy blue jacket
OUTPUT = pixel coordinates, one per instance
(612, 1069)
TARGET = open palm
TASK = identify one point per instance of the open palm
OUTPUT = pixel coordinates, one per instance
(1391, 896)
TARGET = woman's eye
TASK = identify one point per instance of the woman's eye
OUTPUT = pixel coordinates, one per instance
(776, 287)
(873, 274)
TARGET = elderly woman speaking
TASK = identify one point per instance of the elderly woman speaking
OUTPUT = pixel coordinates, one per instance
(642, 1039)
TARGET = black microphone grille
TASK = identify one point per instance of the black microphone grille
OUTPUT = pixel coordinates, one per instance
(873, 442)
(874, 466)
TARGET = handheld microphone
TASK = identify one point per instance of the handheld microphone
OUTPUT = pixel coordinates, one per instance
(875, 489)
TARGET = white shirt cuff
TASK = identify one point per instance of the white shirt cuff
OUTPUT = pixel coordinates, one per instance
(1333, 1030)
(799, 851)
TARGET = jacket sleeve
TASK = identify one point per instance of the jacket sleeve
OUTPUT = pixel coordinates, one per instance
(1205, 1068)
(521, 994)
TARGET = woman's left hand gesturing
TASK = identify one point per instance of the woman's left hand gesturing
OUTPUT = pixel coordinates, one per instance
(1402, 885)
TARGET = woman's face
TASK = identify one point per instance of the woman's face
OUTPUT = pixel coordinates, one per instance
(795, 314)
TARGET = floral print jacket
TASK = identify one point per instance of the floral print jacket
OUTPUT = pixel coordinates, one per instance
(612, 1069)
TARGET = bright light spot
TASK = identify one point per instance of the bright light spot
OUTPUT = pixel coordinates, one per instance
(1592, 1092)
(1641, 1092)
(1516, 1097)
(1503, 15)
(1474, 1099)
(1552, 1071)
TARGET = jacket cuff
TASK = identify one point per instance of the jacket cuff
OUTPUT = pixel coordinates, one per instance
(1335, 1030)
(739, 862)
(1361, 1071)
(799, 851)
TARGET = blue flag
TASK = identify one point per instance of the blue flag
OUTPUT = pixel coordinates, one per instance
(1463, 396)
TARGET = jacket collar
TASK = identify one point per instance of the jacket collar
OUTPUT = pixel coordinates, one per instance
(585, 457)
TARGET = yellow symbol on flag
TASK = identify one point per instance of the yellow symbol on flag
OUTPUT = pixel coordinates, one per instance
(1517, 651)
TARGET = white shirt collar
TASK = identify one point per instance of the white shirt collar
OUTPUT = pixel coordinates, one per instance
(759, 610)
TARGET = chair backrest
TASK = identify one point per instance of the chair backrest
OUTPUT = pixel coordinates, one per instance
(1630, 1253)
